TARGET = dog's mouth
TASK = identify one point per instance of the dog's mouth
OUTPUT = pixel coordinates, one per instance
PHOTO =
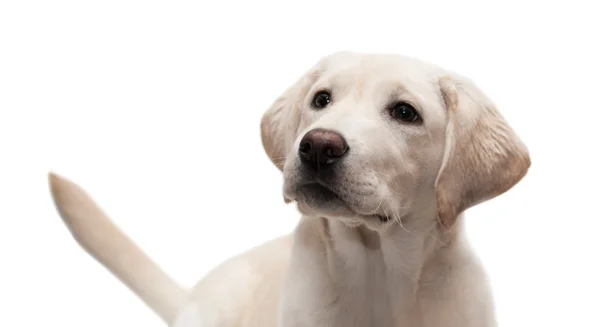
(320, 196)
(383, 218)
(320, 190)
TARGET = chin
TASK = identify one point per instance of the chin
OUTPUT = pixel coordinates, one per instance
(317, 200)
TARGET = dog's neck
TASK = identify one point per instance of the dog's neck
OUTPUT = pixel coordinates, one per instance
(401, 248)
(373, 270)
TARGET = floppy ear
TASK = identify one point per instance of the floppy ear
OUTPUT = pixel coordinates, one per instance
(483, 156)
(280, 123)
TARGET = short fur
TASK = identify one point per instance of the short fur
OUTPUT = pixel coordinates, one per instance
(415, 270)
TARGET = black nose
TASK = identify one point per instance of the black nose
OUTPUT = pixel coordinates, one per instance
(320, 148)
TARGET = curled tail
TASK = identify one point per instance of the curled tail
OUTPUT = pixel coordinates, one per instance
(112, 248)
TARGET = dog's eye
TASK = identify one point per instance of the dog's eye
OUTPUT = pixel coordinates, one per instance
(321, 100)
(404, 112)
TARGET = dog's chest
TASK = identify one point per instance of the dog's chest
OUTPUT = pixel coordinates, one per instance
(350, 284)
(364, 296)
(371, 290)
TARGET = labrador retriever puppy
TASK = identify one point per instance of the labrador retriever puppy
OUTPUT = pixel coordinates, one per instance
(382, 155)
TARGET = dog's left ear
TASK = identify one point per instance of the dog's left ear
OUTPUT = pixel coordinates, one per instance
(279, 124)
(483, 156)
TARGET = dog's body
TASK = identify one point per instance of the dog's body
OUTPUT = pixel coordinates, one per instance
(382, 154)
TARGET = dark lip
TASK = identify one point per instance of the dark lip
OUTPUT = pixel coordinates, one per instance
(383, 218)
(327, 191)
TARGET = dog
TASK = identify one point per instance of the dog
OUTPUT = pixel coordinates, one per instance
(382, 155)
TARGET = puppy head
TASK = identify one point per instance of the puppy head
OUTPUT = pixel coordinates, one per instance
(376, 138)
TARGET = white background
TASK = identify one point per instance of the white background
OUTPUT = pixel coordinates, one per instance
(154, 108)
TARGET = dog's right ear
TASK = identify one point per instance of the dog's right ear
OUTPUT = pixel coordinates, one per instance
(279, 125)
(483, 158)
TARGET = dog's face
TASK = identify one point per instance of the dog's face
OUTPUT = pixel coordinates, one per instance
(374, 138)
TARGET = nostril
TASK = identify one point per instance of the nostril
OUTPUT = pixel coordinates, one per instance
(305, 147)
(335, 151)
(329, 153)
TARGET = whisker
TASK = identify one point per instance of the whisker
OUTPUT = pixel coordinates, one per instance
(380, 202)
(398, 219)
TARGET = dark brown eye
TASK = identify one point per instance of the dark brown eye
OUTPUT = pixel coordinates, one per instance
(321, 100)
(404, 112)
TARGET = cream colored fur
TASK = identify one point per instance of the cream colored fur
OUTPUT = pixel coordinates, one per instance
(342, 266)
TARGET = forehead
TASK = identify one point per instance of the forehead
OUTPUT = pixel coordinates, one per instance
(384, 73)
